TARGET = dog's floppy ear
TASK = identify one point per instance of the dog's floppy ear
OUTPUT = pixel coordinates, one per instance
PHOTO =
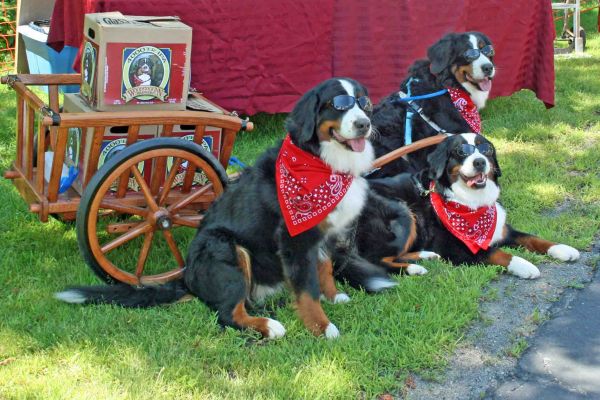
(438, 159)
(301, 122)
(440, 54)
(497, 171)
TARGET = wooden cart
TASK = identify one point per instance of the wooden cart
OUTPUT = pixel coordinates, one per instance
(117, 226)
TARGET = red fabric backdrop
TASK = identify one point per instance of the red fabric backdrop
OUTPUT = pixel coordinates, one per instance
(261, 55)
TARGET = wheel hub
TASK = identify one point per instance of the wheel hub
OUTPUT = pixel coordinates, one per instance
(163, 222)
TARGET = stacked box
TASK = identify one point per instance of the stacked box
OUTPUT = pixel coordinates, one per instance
(115, 138)
(135, 63)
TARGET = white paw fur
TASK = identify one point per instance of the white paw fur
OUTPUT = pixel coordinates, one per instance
(428, 255)
(523, 268)
(276, 330)
(332, 331)
(563, 252)
(338, 299)
(414, 269)
(379, 284)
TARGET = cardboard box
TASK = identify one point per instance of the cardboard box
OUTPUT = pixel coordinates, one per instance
(134, 62)
(115, 138)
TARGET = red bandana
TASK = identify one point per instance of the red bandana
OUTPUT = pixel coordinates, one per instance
(307, 188)
(474, 228)
(464, 104)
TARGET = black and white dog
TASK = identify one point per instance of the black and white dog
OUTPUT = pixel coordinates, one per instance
(462, 63)
(274, 224)
(456, 212)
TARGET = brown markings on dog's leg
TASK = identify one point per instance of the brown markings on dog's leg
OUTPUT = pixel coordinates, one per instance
(392, 263)
(311, 313)
(499, 257)
(534, 243)
(244, 263)
(326, 281)
(412, 235)
(240, 316)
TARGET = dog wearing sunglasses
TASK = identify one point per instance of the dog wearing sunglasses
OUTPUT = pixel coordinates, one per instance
(273, 225)
(455, 213)
(462, 64)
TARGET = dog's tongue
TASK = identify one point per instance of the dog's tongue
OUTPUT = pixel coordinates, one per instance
(357, 145)
(485, 85)
(477, 179)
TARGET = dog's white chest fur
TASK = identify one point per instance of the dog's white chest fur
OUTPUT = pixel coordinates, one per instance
(349, 208)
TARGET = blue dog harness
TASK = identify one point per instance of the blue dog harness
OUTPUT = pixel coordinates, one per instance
(414, 108)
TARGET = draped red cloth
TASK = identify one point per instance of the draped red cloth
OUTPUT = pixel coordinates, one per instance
(262, 55)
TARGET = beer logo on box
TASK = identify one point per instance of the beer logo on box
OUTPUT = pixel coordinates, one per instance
(146, 73)
(200, 177)
(111, 148)
(88, 69)
(73, 146)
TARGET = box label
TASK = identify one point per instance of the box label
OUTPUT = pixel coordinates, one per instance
(144, 74)
(89, 66)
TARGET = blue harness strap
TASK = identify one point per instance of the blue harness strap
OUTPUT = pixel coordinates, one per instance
(409, 112)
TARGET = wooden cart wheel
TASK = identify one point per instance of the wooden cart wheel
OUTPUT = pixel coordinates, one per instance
(140, 210)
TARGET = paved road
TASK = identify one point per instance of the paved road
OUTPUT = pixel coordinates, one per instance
(563, 361)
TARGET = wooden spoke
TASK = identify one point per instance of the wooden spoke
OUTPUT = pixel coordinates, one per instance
(121, 240)
(123, 208)
(189, 199)
(169, 182)
(122, 227)
(192, 221)
(144, 188)
(144, 254)
(173, 247)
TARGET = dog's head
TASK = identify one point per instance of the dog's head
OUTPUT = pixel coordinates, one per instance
(144, 66)
(464, 167)
(466, 59)
(333, 121)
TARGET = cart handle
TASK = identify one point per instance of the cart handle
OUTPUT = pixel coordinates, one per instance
(399, 152)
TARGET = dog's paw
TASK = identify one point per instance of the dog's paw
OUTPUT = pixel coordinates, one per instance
(379, 284)
(337, 299)
(331, 332)
(563, 252)
(414, 269)
(428, 255)
(276, 330)
(341, 298)
(523, 268)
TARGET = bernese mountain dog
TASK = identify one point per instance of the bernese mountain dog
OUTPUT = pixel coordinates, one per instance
(456, 213)
(275, 223)
(462, 63)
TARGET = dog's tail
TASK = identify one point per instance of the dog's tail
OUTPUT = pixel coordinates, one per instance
(360, 273)
(125, 295)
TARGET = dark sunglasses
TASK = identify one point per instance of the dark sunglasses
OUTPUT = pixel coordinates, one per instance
(465, 150)
(473, 54)
(345, 102)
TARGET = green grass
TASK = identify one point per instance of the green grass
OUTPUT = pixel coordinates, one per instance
(50, 350)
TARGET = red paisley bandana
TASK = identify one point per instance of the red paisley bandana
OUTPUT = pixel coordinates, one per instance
(474, 228)
(464, 104)
(307, 188)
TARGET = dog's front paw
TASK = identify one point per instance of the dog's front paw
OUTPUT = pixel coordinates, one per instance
(276, 330)
(428, 255)
(523, 268)
(331, 332)
(414, 269)
(341, 298)
(563, 252)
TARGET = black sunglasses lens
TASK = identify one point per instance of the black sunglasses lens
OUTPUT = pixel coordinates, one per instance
(485, 149)
(488, 51)
(465, 150)
(343, 102)
(471, 54)
(365, 104)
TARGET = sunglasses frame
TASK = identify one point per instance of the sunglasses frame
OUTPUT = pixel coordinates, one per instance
(485, 149)
(367, 106)
(487, 50)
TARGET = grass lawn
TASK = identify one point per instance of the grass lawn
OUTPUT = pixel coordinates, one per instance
(49, 350)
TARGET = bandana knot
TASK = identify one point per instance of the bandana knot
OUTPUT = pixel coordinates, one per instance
(468, 110)
(475, 228)
(307, 188)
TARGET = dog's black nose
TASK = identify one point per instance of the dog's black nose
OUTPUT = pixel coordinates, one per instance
(362, 125)
(479, 164)
(487, 69)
